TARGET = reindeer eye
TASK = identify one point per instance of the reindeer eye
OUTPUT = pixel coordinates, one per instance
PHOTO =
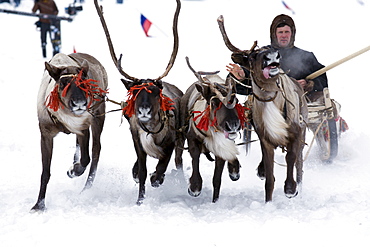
(64, 82)
(266, 58)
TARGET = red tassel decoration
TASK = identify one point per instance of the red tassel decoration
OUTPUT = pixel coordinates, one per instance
(52, 101)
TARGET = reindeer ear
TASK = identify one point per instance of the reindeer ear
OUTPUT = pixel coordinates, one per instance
(128, 84)
(251, 60)
(54, 71)
(85, 67)
(159, 84)
(204, 91)
(199, 88)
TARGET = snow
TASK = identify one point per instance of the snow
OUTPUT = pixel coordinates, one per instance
(332, 209)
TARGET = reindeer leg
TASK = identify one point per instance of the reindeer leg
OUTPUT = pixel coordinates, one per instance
(46, 153)
(195, 186)
(82, 147)
(268, 161)
(97, 128)
(140, 167)
(157, 178)
(179, 149)
(219, 167)
(261, 170)
(299, 162)
(142, 174)
(290, 187)
(135, 172)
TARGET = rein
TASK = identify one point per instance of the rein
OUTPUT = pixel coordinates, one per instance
(266, 100)
(163, 121)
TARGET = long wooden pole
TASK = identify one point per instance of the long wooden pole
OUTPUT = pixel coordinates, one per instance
(323, 70)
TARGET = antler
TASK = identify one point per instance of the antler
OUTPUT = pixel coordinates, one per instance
(110, 44)
(220, 21)
(225, 100)
(199, 74)
(175, 43)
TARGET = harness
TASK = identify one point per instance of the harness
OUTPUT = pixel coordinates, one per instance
(163, 116)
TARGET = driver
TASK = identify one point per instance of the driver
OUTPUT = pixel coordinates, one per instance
(297, 63)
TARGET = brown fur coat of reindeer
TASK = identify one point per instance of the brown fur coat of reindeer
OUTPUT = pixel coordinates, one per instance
(152, 111)
(279, 113)
(71, 100)
(211, 118)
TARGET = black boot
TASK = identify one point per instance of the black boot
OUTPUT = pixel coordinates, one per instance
(44, 50)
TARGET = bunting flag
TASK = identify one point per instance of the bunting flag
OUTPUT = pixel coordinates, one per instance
(145, 23)
(287, 7)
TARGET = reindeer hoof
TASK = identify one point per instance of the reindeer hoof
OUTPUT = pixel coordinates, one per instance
(76, 170)
(156, 182)
(194, 193)
(139, 201)
(290, 190)
(39, 207)
(261, 172)
(291, 195)
(135, 173)
(234, 176)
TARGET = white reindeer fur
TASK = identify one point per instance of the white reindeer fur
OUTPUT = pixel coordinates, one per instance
(275, 125)
(149, 145)
(220, 146)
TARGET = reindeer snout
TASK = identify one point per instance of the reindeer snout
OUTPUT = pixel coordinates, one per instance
(144, 113)
(232, 126)
(231, 129)
(78, 106)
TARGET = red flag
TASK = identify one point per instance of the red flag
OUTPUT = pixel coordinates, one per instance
(74, 49)
(145, 23)
(286, 6)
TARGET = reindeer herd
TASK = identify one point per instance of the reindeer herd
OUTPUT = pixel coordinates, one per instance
(162, 118)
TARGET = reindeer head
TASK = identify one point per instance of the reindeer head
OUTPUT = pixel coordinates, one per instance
(264, 65)
(146, 101)
(224, 113)
(73, 89)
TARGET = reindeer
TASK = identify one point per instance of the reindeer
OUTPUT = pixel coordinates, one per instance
(71, 100)
(279, 113)
(152, 110)
(211, 117)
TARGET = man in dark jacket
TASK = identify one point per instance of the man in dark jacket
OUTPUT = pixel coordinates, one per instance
(297, 63)
(46, 7)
